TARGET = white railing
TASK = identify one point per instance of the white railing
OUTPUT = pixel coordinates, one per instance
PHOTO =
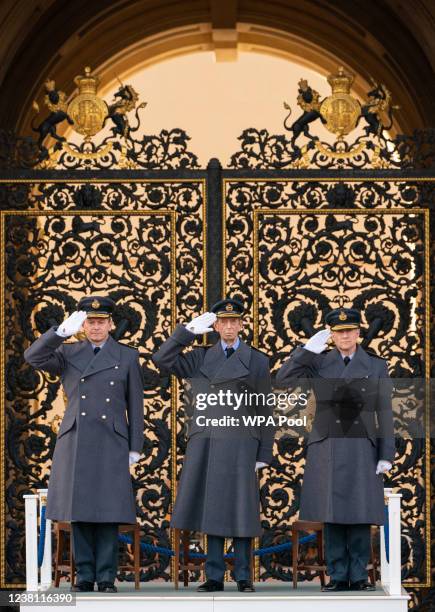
(391, 569)
(42, 579)
(37, 580)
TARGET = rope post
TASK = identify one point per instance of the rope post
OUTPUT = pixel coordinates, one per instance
(395, 586)
(31, 522)
(385, 570)
(391, 570)
(46, 566)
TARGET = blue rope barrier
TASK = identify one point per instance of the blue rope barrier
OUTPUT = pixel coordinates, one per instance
(41, 542)
(196, 555)
(387, 535)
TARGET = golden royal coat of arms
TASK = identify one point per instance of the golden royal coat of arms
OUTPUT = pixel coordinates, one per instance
(87, 115)
(340, 110)
(86, 109)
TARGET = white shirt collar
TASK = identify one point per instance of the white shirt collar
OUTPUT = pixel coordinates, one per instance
(99, 345)
(234, 346)
(350, 356)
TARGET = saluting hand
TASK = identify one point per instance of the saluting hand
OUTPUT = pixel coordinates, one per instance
(317, 343)
(72, 324)
(202, 324)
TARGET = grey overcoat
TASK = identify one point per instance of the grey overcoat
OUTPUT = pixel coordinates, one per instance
(90, 477)
(218, 492)
(352, 430)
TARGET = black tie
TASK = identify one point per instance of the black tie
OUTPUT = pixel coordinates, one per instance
(97, 349)
(346, 360)
(229, 351)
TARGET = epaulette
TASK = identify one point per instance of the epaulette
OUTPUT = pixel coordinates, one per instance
(260, 351)
(132, 346)
(372, 353)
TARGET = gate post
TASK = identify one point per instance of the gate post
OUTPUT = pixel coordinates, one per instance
(214, 232)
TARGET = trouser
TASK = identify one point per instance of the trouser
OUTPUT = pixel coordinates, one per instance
(95, 550)
(347, 551)
(215, 564)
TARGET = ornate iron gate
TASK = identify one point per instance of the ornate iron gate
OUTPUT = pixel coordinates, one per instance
(291, 231)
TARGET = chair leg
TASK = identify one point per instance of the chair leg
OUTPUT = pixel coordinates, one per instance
(176, 556)
(295, 557)
(185, 538)
(59, 552)
(252, 568)
(372, 572)
(72, 565)
(136, 557)
(320, 556)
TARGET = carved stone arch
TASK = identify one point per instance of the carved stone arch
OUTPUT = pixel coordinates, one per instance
(378, 39)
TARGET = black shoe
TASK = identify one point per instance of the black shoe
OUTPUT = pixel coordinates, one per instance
(107, 587)
(82, 587)
(335, 585)
(209, 586)
(245, 586)
(362, 585)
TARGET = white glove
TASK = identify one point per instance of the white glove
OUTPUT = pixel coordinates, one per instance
(383, 466)
(133, 457)
(259, 465)
(317, 343)
(202, 324)
(72, 324)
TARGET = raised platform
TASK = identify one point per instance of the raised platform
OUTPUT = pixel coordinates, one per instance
(162, 597)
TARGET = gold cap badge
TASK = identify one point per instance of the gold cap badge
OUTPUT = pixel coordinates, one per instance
(229, 307)
(95, 304)
(342, 316)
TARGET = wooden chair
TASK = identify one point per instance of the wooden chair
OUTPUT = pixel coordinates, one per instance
(182, 536)
(317, 528)
(307, 526)
(374, 563)
(135, 530)
(63, 528)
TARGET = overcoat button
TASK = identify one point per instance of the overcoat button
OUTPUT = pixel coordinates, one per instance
(83, 396)
(363, 389)
(107, 399)
(82, 380)
(103, 416)
(116, 367)
(337, 421)
(83, 413)
(111, 382)
(356, 422)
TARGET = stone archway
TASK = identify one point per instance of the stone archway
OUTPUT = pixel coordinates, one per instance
(57, 39)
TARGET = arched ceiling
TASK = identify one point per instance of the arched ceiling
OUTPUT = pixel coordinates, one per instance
(390, 40)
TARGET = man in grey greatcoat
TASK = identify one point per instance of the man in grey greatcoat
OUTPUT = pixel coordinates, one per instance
(218, 492)
(100, 436)
(347, 450)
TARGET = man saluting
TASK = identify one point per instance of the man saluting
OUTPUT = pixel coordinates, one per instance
(90, 483)
(347, 450)
(218, 490)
